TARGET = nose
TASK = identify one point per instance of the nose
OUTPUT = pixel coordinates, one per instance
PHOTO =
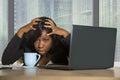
(40, 44)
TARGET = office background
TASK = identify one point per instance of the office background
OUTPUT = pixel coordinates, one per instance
(16, 13)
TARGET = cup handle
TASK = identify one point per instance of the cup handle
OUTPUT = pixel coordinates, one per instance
(37, 58)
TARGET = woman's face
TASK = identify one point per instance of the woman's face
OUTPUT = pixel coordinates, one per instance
(43, 43)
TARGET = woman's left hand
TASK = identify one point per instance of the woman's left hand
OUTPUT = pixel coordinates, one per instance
(55, 29)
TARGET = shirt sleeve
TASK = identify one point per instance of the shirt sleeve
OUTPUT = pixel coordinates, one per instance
(61, 52)
(66, 41)
(13, 51)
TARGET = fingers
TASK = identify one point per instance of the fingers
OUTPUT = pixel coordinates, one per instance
(32, 28)
(49, 22)
(29, 26)
(50, 33)
(35, 21)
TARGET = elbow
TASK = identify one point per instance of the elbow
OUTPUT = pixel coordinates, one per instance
(5, 61)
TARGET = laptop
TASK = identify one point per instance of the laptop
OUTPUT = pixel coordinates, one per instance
(91, 47)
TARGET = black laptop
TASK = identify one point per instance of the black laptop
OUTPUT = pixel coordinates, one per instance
(91, 48)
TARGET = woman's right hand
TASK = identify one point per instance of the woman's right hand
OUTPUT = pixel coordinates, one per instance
(27, 27)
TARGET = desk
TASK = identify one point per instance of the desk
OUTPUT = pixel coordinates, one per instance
(48, 74)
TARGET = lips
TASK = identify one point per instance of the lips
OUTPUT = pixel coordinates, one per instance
(41, 52)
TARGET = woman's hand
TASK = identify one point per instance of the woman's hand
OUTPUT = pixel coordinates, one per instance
(27, 27)
(55, 29)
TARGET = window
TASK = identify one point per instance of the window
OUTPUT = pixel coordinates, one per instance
(59, 10)
(82, 12)
(110, 17)
(3, 26)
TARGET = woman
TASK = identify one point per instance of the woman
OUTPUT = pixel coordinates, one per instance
(43, 36)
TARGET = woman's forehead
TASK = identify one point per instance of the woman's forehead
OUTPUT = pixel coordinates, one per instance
(44, 35)
(44, 32)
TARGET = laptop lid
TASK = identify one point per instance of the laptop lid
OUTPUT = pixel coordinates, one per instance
(92, 47)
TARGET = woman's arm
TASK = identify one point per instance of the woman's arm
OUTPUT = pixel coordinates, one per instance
(13, 51)
(15, 48)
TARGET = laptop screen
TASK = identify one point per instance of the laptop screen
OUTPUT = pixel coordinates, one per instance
(92, 47)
